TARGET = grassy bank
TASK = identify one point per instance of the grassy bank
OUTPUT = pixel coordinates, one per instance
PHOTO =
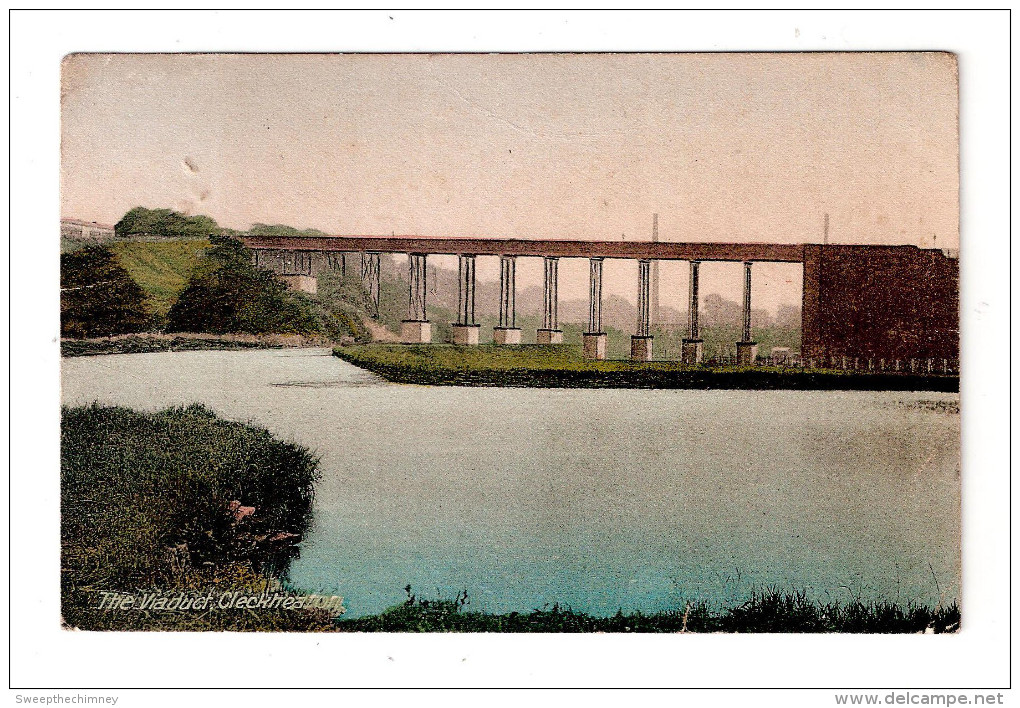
(766, 611)
(178, 501)
(161, 268)
(563, 367)
(182, 342)
(205, 290)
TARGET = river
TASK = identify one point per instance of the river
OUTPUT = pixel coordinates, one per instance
(596, 499)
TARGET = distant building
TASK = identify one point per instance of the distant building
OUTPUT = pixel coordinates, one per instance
(85, 230)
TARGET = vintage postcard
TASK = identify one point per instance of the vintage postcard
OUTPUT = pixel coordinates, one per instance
(510, 343)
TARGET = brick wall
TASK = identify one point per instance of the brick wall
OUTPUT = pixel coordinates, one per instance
(892, 302)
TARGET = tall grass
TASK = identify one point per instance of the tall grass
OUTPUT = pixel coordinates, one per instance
(145, 503)
(769, 610)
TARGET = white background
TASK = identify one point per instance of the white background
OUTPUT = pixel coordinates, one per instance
(43, 655)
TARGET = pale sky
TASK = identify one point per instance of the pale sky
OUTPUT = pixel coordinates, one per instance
(724, 147)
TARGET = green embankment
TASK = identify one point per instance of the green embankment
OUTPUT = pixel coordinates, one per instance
(563, 367)
(161, 268)
(150, 501)
(150, 342)
(206, 286)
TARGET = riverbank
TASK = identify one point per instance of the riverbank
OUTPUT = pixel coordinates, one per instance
(161, 510)
(562, 367)
(767, 611)
(184, 342)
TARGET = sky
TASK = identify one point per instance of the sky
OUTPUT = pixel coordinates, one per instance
(724, 147)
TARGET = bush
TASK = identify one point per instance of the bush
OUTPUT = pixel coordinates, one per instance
(97, 296)
(227, 293)
(165, 222)
(146, 502)
(344, 302)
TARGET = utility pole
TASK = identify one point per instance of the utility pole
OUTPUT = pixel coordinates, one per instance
(654, 299)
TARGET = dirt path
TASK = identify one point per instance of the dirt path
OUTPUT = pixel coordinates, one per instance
(379, 333)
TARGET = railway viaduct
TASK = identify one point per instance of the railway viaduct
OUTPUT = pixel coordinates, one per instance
(859, 301)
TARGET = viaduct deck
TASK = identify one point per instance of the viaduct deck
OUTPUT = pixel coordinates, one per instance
(869, 302)
(653, 250)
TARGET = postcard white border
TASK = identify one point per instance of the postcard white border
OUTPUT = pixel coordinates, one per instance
(43, 655)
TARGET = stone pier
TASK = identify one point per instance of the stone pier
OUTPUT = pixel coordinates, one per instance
(594, 340)
(692, 346)
(641, 341)
(550, 333)
(301, 283)
(465, 330)
(416, 329)
(507, 332)
(747, 350)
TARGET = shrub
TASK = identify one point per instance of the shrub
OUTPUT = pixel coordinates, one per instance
(227, 293)
(146, 503)
(97, 296)
(165, 222)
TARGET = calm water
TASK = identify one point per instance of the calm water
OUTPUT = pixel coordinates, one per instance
(597, 499)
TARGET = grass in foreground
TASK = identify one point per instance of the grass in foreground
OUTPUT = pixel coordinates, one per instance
(563, 367)
(766, 611)
(150, 502)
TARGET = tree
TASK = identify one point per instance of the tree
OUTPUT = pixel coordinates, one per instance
(227, 293)
(165, 222)
(281, 230)
(97, 296)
